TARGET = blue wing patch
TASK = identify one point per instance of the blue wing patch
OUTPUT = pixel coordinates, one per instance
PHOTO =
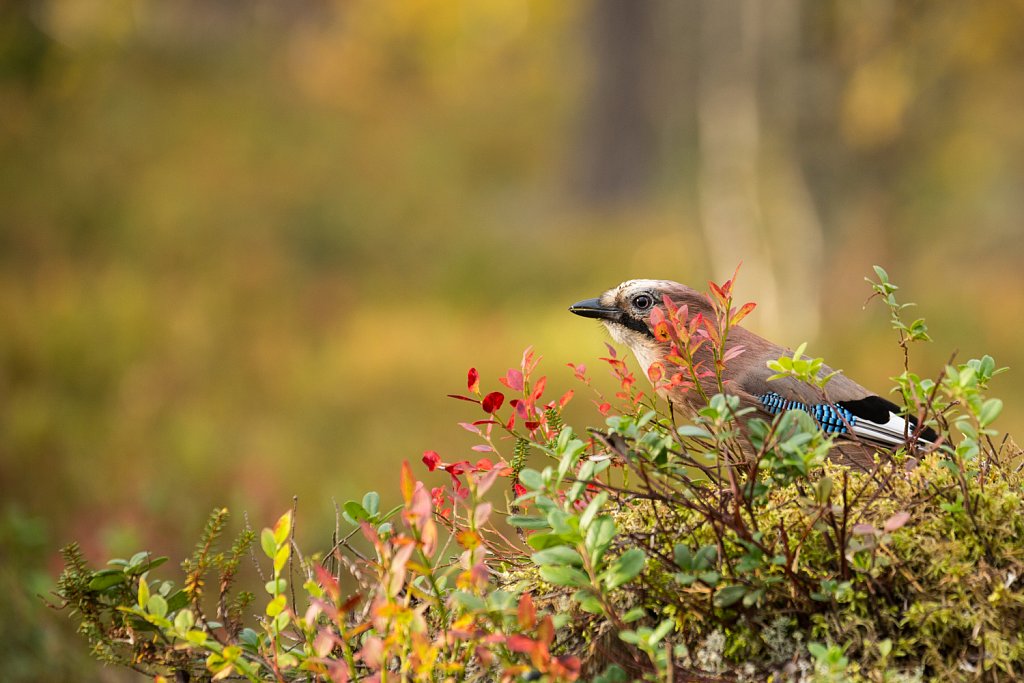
(832, 417)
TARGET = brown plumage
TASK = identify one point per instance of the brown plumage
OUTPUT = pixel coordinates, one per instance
(626, 312)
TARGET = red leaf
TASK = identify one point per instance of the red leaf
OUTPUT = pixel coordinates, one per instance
(670, 306)
(733, 352)
(473, 381)
(493, 401)
(431, 459)
(513, 380)
(655, 372)
(659, 326)
(521, 408)
(518, 643)
(744, 311)
(485, 656)
(566, 397)
(896, 521)
(580, 371)
(571, 665)
(457, 468)
(518, 489)
(327, 580)
(603, 408)
(538, 388)
(529, 361)
(436, 497)
(546, 630)
(527, 612)
(611, 349)
(485, 480)
(719, 291)
(463, 398)
(408, 481)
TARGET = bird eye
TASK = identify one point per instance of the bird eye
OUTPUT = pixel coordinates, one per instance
(642, 302)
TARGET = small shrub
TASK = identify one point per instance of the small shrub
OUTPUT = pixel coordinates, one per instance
(651, 548)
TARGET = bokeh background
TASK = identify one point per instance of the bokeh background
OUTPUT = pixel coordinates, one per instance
(247, 246)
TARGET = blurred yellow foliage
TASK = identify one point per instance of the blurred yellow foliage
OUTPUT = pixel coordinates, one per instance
(247, 248)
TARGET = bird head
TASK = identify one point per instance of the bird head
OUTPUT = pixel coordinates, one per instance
(626, 312)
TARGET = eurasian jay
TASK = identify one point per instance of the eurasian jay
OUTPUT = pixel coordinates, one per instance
(626, 312)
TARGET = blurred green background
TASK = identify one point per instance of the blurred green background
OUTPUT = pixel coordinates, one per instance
(247, 247)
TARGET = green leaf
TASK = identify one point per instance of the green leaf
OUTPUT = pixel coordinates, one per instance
(283, 528)
(613, 674)
(588, 601)
(634, 614)
(146, 566)
(599, 535)
(753, 597)
(143, 593)
(528, 522)
(106, 578)
(281, 621)
(625, 568)
(664, 628)
(184, 620)
(572, 453)
(267, 542)
(989, 411)
(137, 559)
(473, 603)
(631, 637)
(543, 541)
(355, 512)
(281, 558)
(563, 522)
(729, 595)
(694, 431)
(559, 555)
(705, 556)
(817, 650)
(710, 578)
(371, 502)
(682, 555)
(592, 509)
(684, 578)
(561, 575)
(157, 605)
(249, 638)
(197, 638)
(276, 587)
(531, 479)
(176, 601)
(276, 606)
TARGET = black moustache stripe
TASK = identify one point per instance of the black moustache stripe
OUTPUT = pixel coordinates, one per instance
(636, 325)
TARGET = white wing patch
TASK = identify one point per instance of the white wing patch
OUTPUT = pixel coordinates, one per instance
(893, 433)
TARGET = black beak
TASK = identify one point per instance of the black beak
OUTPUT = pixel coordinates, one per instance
(592, 308)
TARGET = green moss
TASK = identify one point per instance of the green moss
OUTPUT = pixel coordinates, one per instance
(941, 589)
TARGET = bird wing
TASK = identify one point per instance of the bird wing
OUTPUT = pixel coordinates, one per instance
(849, 407)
